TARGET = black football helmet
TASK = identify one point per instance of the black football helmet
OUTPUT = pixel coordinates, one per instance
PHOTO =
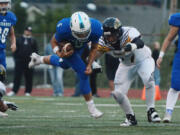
(112, 30)
(2, 73)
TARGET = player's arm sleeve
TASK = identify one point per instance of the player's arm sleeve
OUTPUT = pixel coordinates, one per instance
(58, 35)
(135, 37)
(14, 19)
(102, 46)
(174, 20)
(138, 41)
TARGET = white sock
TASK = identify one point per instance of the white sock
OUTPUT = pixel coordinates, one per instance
(123, 101)
(171, 100)
(150, 93)
(126, 106)
(90, 104)
(42, 59)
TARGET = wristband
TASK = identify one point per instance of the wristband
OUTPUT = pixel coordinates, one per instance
(55, 49)
(161, 54)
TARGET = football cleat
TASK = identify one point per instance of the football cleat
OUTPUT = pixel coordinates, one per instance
(11, 105)
(129, 121)
(94, 112)
(35, 60)
(167, 118)
(153, 116)
(2, 114)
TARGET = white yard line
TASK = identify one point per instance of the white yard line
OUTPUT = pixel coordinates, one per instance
(109, 105)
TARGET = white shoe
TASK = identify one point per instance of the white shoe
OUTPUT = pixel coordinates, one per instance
(27, 94)
(129, 121)
(11, 93)
(35, 60)
(167, 118)
(94, 112)
(126, 123)
(3, 114)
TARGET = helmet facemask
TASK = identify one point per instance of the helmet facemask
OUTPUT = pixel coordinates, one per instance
(112, 37)
(80, 26)
(5, 5)
(81, 36)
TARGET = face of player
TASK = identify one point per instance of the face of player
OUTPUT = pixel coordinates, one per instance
(3, 7)
(111, 39)
(81, 36)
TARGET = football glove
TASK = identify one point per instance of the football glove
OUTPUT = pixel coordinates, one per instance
(11, 105)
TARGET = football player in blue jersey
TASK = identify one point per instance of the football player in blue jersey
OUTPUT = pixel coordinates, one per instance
(174, 91)
(7, 21)
(77, 30)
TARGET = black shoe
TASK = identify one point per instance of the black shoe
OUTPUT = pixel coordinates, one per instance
(130, 121)
(153, 116)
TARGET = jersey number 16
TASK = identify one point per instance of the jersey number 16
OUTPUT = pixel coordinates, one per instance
(3, 34)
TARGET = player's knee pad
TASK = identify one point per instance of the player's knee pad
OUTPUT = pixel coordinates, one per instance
(118, 96)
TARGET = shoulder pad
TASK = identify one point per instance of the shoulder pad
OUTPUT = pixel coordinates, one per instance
(12, 16)
(175, 20)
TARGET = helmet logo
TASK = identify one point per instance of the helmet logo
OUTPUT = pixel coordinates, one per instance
(117, 24)
(80, 22)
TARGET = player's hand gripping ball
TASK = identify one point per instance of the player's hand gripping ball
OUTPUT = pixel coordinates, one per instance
(66, 49)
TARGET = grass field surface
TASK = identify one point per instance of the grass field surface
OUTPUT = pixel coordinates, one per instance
(69, 116)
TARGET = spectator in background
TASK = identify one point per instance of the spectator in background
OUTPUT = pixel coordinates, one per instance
(26, 45)
(56, 74)
(155, 55)
(111, 65)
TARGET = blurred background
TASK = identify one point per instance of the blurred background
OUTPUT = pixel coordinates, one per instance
(150, 17)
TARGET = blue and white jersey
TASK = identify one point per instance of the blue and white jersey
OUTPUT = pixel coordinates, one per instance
(174, 20)
(6, 22)
(63, 33)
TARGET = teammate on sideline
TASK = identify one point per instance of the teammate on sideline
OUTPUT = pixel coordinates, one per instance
(173, 93)
(7, 21)
(135, 59)
(79, 29)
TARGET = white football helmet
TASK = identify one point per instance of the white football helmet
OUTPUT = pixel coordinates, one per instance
(5, 8)
(80, 26)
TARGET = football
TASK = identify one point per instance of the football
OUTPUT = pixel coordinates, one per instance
(65, 46)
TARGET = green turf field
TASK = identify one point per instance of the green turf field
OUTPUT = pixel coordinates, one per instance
(69, 116)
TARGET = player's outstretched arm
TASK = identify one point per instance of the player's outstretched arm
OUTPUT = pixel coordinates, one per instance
(13, 40)
(171, 35)
(91, 58)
